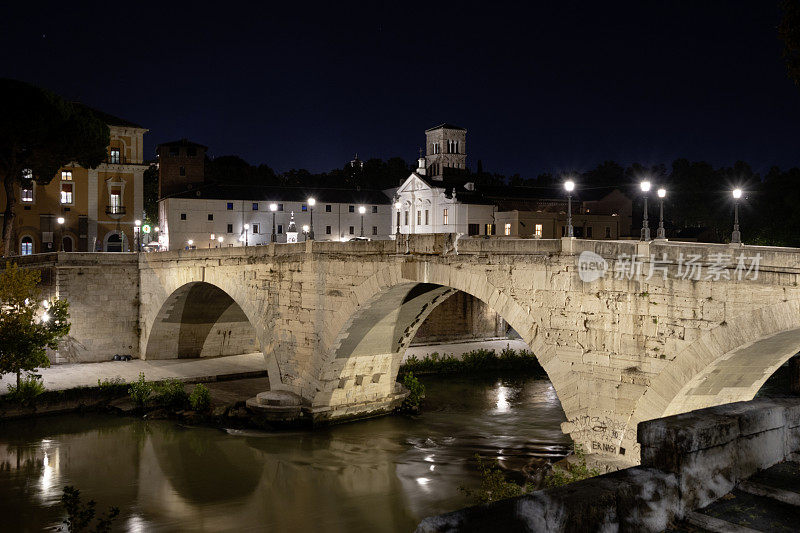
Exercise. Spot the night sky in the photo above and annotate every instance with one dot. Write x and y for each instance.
(555, 87)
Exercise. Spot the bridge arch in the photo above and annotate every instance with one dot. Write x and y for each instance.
(366, 343)
(728, 363)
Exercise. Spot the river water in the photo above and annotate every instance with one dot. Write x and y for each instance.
(378, 475)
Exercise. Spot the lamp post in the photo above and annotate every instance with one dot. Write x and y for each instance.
(190, 242)
(645, 186)
(362, 210)
(311, 203)
(569, 185)
(398, 205)
(246, 227)
(661, 234)
(273, 207)
(306, 231)
(219, 240)
(60, 221)
(137, 234)
(736, 236)
(212, 239)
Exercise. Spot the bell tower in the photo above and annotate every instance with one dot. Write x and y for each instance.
(445, 148)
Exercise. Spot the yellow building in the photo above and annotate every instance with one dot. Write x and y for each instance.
(98, 206)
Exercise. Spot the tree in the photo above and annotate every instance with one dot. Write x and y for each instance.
(150, 193)
(789, 33)
(40, 133)
(26, 328)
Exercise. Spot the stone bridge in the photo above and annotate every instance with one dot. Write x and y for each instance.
(666, 328)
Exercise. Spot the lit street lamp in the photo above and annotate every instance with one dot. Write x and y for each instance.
(60, 221)
(661, 234)
(219, 240)
(305, 231)
(736, 236)
(246, 227)
(569, 185)
(273, 207)
(362, 210)
(311, 203)
(212, 239)
(645, 186)
(398, 205)
(190, 242)
(137, 234)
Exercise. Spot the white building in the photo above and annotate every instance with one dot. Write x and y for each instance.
(215, 215)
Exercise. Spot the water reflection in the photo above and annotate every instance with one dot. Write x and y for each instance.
(379, 475)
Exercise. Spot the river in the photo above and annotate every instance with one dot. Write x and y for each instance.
(380, 475)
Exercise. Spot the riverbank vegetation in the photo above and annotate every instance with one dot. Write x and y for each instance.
(476, 361)
(495, 486)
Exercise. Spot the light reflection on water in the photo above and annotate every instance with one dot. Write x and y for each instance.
(378, 475)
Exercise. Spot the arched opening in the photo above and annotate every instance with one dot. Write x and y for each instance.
(200, 320)
(67, 243)
(114, 242)
(26, 245)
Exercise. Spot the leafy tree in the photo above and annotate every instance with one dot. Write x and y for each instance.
(40, 133)
(150, 193)
(80, 516)
(27, 330)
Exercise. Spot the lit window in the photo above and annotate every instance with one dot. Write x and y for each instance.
(66, 175)
(537, 232)
(66, 193)
(26, 195)
(489, 229)
(114, 156)
(304, 208)
(444, 216)
(26, 246)
(508, 229)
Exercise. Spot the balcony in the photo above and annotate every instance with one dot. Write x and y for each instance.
(115, 211)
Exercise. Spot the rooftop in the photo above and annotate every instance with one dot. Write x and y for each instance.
(184, 142)
(446, 126)
(285, 194)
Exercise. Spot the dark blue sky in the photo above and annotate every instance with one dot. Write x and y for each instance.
(557, 87)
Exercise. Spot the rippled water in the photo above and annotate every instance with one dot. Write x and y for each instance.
(378, 475)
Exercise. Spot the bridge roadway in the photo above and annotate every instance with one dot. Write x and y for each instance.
(627, 331)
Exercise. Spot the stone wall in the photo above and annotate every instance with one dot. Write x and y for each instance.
(460, 317)
(103, 294)
(688, 461)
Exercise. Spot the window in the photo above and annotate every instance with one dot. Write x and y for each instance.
(280, 207)
(374, 208)
(255, 229)
(327, 230)
(444, 217)
(588, 232)
(406, 218)
(173, 151)
(473, 229)
(508, 229)
(66, 175)
(114, 156)
(211, 216)
(419, 217)
(67, 243)
(608, 232)
(537, 231)
(303, 207)
(352, 230)
(230, 206)
(327, 208)
(230, 228)
(352, 209)
(182, 171)
(255, 206)
(116, 203)
(26, 195)
(66, 193)
(426, 217)
(398, 218)
(183, 216)
(280, 228)
(374, 230)
(26, 246)
(489, 229)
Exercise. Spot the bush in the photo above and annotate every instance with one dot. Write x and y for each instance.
(81, 515)
(200, 399)
(416, 392)
(494, 485)
(140, 390)
(572, 472)
(170, 393)
(30, 387)
(108, 385)
(476, 361)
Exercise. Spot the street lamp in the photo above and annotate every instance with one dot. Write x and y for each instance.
(219, 240)
(736, 236)
(569, 185)
(645, 186)
(305, 231)
(137, 233)
(212, 239)
(398, 205)
(60, 221)
(362, 210)
(311, 203)
(273, 207)
(246, 227)
(661, 234)
(190, 242)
